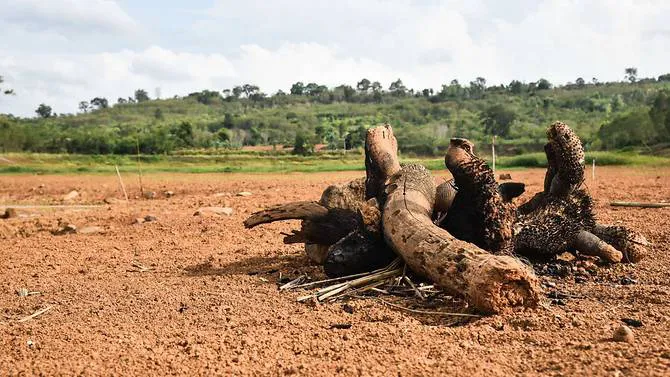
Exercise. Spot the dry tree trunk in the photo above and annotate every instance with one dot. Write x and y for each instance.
(562, 217)
(480, 213)
(490, 283)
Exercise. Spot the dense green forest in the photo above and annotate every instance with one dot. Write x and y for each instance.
(611, 115)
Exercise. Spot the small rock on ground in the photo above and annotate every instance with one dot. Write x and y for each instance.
(623, 334)
(9, 213)
(221, 211)
(149, 194)
(66, 229)
(150, 218)
(169, 194)
(244, 193)
(71, 195)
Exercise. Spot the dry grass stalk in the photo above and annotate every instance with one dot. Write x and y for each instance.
(36, 314)
(429, 312)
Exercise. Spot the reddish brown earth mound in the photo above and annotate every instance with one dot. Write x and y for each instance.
(189, 294)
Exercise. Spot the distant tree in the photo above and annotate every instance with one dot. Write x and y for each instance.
(302, 145)
(543, 84)
(515, 87)
(397, 88)
(44, 111)
(478, 87)
(297, 89)
(594, 80)
(84, 106)
(226, 93)
(660, 114)
(206, 97)
(158, 114)
(280, 93)
(665, 77)
(497, 120)
(631, 74)
(141, 95)
(237, 91)
(580, 82)
(356, 138)
(314, 89)
(347, 92)
(250, 90)
(119, 100)
(223, 135)
(183, 132)
(5, 91)
(257, 96)
(100, 103)
(376, 87)
(427, 92)
(363, 86)
(228, 121)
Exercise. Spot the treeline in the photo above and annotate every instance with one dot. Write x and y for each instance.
(608, 115)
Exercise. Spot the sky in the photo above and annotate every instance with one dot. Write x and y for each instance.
(61, 52)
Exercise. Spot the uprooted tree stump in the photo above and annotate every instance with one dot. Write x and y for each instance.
(462, 234)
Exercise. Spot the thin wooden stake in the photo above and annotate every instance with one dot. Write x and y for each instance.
(139, 167)
(493, 152)
(593, 170)
(123, 187)
(639, 204)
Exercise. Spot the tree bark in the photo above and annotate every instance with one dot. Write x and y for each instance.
(490, 283)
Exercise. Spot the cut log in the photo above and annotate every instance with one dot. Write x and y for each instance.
(381, 160)
(490, 283)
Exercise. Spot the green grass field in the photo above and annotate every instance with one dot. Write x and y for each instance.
(240, 162)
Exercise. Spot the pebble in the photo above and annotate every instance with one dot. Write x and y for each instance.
(71, 195)
(623, 334)
(169, 194)
(244, 193)
(149, 194)
(138, 220)
(150, 218)
(9, 213)
(67, 229)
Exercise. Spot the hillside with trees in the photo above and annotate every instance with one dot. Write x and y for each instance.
(634, 113)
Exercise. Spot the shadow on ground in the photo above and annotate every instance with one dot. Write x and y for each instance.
(288, 265)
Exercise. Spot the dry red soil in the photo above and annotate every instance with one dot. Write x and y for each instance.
(209, 304)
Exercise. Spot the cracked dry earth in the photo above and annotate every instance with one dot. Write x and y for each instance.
(198, 295)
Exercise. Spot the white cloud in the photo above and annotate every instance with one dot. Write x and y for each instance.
(274, 44)
(63, 80)
(68, 15)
